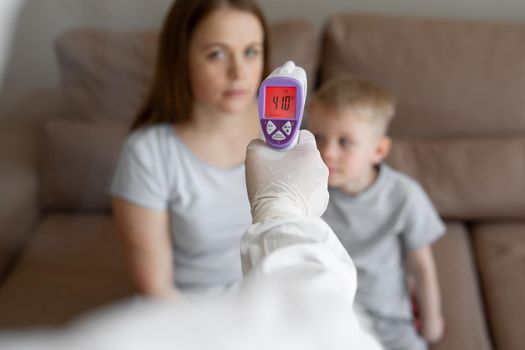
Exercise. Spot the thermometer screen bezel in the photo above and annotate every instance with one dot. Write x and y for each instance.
(283, 81)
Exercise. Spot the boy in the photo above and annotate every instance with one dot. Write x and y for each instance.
(383, 218)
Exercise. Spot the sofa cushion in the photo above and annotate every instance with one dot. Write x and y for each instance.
(500, 252)
(105, 75)
(451, 78)
(34, 297)
(83, 242)
(19, 210)
(78, 162)
(466, 328)
(73, 264)
(19, 204)
(470, 179)
(5, 258)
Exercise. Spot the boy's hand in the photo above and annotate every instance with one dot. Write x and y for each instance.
(283, 184)
(433, 330)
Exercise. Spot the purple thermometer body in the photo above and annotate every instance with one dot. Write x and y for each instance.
(282, 97)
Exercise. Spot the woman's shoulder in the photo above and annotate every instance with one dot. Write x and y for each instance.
(141, 174)
(151, 141)
(152, 133)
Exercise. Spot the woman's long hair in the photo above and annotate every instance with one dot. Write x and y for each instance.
(170, 97)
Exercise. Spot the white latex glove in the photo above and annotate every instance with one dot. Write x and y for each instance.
(285, 184)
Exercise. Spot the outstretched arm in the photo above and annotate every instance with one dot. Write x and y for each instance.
(290, 250)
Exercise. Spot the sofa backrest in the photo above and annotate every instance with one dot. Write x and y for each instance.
(452, 78)
(472, 179)
(459, 149)
(77, 163)
(105, 76)
(460, 122)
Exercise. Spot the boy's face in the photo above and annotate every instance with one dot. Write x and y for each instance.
(349, 145)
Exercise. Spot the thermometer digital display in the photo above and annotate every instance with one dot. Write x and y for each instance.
(280, 102)
(282, 97)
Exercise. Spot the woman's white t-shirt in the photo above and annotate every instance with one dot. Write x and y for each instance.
(208, 206)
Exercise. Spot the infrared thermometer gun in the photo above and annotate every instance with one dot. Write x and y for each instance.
(282, 96)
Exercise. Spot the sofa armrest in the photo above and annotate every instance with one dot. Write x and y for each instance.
(39, 107)
(19, 199)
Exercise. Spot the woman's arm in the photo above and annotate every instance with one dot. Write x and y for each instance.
(421, 265)
(146, 240)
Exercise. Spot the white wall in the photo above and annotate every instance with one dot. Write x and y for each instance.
(8, 9)
(31, 62)
(317, 10)
(32, 65)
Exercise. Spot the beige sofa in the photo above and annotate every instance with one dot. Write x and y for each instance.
(459, 130)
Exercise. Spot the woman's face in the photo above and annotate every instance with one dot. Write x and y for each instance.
(226, 60)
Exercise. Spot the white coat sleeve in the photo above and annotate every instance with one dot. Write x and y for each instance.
(299, 265)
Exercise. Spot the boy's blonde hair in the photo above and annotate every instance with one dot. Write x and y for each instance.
(376, 103)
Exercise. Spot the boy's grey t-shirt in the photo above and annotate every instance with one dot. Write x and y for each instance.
(377, 227)
(208, 206)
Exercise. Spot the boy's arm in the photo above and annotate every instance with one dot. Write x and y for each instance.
(421, 265)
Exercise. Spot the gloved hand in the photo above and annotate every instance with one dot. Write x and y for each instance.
(285, 184)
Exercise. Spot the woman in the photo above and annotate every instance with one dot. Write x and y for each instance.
(179, 193)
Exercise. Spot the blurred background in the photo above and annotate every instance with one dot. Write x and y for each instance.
(31, 63)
